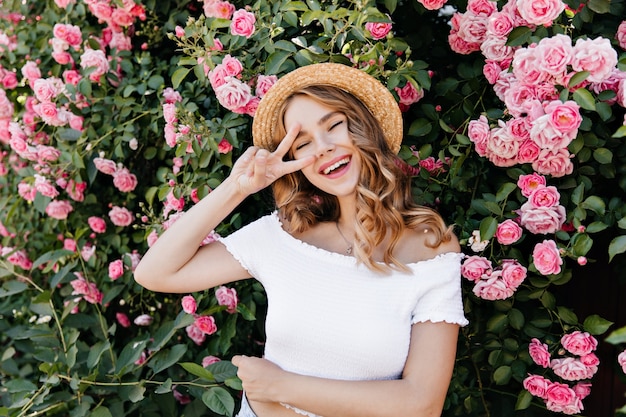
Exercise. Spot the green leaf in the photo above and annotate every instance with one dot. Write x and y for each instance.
(516, 318)
(178, 76)
(594, 203)
(584, 99)
(567, 315)
(502, 375)
(165, 387)
(219, 401)
(524, 399)
(596, 227)
(275, 61)
(420, 127)
(155, 82)
(578, 193)
(12, 288)
(505, 190)
(70, 135)
(166, 358)
(578, 78)
(599, 6)
(617, 337)
(519, 36)
(596, 325)
(51, 257)
(101, 412)
(197, 370)
(603, 155)
(497, 323)
(488, 227)
(582, 244)
(620, 132)
(96, 352)
(617, 246)
(129, 355)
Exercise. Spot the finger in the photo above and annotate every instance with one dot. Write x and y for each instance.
(236, 360)
(285, 144)
(298, 164)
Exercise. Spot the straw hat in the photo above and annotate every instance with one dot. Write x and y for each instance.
(374, 95)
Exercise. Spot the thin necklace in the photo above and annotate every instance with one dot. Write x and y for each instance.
(349, 250)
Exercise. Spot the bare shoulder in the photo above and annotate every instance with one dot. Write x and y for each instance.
(419, 242)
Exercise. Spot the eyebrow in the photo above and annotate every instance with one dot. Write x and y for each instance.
(321, 121)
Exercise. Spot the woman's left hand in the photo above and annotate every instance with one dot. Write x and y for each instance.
(260, 378)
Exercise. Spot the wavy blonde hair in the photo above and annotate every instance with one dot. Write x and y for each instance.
(384, 199)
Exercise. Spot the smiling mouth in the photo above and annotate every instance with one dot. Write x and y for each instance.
(336, 165)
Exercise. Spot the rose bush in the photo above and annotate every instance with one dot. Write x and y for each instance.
(117, 116)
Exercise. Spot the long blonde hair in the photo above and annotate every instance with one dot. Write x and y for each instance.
(384, 199)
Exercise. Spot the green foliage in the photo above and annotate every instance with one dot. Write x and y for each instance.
(64, 355)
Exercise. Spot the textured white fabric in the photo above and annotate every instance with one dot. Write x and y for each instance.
(329, 316)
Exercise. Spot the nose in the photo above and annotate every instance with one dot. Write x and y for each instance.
(323, 144)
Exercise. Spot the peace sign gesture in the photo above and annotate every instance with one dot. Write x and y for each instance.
(257, 167)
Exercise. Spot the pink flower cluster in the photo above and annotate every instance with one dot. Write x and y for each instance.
(232, 92)
(16, 257)
(378, 30)
(202, 325)
(493, 283)
(541, 213)
(242, 21)
(86, 290)
(408, 95)
(123, 179)
(578, 367)
(432, 4)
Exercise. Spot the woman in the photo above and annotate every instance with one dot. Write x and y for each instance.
(363, 285)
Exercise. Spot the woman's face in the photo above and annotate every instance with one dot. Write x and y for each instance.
(324, 134)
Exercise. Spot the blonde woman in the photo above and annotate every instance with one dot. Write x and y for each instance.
(363, 285)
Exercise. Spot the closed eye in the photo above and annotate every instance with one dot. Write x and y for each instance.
(301, 145)
(334, 125)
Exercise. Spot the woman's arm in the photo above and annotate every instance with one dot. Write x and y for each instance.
(176, 262)
(421, 391)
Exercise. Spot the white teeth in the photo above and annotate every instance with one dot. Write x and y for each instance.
(336, 165)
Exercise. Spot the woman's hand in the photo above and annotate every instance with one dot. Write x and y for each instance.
(257, 168)
(260, 378)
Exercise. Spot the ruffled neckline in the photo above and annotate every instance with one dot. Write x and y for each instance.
(347, 259)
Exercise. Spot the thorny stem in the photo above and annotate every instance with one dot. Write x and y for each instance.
(478, 378)
(140, 382)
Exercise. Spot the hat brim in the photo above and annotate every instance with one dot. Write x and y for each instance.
(372, 93)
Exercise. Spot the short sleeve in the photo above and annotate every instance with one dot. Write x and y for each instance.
(249, 244)
(440, 296)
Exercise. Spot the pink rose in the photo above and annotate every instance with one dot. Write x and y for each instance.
(122, 17)
(460, 45)
(233, 94)
(579, 343)
(409, 94)
(546, 196)
(189, 304)
(69, 244)
(528, 152)
(474, 267)
(44, 187)
(87, 252)
(206, 324)
(106, 166)
(482, 7)
(120, 216)
(94, 58)
(542, 220)
(559, 393)
(502, 148)
(564, 117)
(219, 9)
(124, 181)
(179, 31)
(570, 369)
(555, 162)
(195, 334)
(224, 147)
(529, 183)
(122, 319)
(539, 353)
(582, 389)
(500, 25)
(513, 273)
(554, 54)
(64, 3)
(536, 385)
(227, 297)
(59, 209)
(88, 290)
(575, 406)
(208, 360)
(116, 269)
(493, 287)
(432, 4)
(540, 12)
(378, 30)
(496, 49)
(621, 35)
(169, 113)
(508, 232)
(242, 23)
(264, 83)
(97, 224)
(143, 320)
(72, 77)
(171, 96)
(31, 71)
(547, 258)
(596, 56)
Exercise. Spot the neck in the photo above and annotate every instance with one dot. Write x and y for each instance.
(347, 210)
